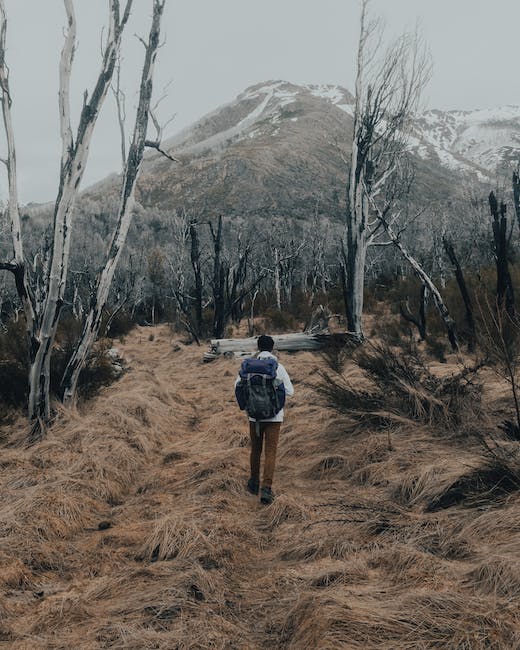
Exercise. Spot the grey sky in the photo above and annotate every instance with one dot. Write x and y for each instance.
(214, 49)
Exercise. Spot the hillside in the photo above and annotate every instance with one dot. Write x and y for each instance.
(278, 149)
(129, 526)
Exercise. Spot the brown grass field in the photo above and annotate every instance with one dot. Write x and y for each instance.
(129, 527)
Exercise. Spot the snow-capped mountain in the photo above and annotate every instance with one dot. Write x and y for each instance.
(279, 150)
(484, 140)
(259, 110)
(479, 141)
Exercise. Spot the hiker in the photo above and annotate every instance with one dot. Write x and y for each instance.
(261, 387)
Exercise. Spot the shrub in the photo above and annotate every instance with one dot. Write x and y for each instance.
(402, 385)
(13, 365)
(121, 324)
(99, 371)
(281, 321)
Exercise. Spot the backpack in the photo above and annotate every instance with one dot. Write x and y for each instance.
(258, 391)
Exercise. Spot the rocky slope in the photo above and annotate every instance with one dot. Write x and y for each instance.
(278, 150)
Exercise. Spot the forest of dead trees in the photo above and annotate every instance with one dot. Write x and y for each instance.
(205, 275)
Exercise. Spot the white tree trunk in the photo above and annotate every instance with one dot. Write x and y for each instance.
(283, 342)
(18, 266)
(277, 281)
(356, 234)
(73, 163)
(125, 212)
(425, 279)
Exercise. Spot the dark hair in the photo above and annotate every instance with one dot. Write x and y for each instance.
(265, 343)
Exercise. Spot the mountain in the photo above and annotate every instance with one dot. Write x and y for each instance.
(273, 151)
(480, 141)
(279, 150)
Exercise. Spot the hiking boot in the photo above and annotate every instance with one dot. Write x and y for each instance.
(252, 486)
(266, 496)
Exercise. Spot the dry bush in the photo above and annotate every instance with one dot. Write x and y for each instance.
(6, 633)
(332, 619)
(483, 485)
(360, 456)
(402, 385)
(337, 352)
(443, 539)
(221, 483)
(50, 511)
(319, 540)
(339, 574)
(495, 526)
(419, 487)
(452, 620)
(330, 466)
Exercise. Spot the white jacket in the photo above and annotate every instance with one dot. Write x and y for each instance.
(283, 375)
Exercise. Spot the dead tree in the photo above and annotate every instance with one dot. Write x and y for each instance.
(125, 212)
(189, 299)
(386, 96)
(286, 252)
(516, 195)
(198, 281)
(394, 238)
(420, 320)
(502, 241)
(236, 280)
(229, 285)
(219, 280)
(461, 282)
(42, 316)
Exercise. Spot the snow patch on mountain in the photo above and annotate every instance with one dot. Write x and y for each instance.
(485, 138)
(478, 141)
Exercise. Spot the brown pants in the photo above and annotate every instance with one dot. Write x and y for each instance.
(270, 432)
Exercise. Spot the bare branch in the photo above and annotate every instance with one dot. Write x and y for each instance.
(120, 98)
(156, 145)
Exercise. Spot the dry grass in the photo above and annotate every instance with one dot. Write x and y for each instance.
(173, 537)
(129, 525)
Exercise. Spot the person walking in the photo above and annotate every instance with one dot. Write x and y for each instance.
(265, 431)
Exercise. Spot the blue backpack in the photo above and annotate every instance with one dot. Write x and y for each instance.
(258, 391)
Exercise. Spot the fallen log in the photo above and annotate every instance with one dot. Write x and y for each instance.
(284, 342)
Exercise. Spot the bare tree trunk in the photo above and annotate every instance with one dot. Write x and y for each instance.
(420, 321)
(42, 322)
(277, 282)
(461, 282)
(355, 277)
(516, 195)
(505, 291)
(125, 212)
(386, 95)
(425, 279)
(251, 323)
(356, 235)
(197, 272)
(18, 266)
(219, 281)
(73, 163)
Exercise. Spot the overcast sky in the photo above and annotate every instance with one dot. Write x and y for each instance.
(214, 49)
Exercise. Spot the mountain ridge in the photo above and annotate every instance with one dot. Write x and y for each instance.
(277, 135)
